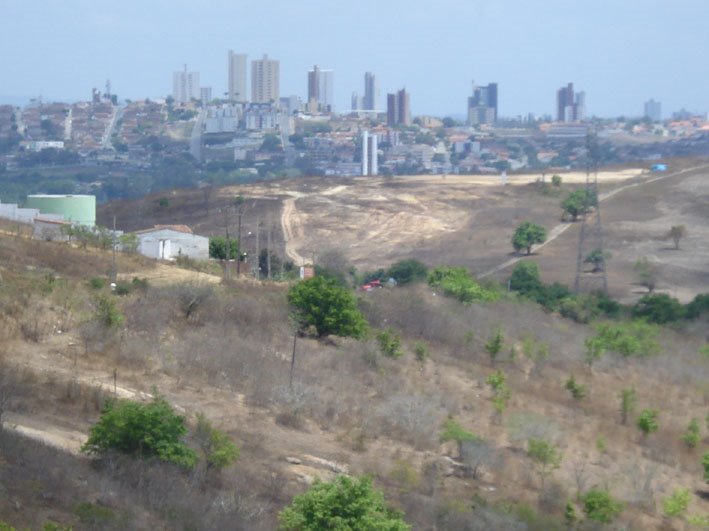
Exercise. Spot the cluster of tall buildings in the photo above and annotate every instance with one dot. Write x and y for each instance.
(321, 90)
(482, 105)
(570, 106)
(399, 108)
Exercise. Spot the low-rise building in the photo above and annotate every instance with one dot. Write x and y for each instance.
(167, 242)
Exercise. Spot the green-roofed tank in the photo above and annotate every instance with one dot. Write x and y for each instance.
(75, 208)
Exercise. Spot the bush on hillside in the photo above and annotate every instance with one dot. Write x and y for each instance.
(457, 282)
(407, 271)
(344, 503)
(326, 306)
(659, 308)
(141, 430)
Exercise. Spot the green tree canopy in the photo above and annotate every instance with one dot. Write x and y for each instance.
(579, 202)
(143, 430)
(347, 504)
(659, 308)
(599, 506)
(528, 234)
(407, 271)
(329, 308)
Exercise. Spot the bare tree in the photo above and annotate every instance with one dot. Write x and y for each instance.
(477, 454)
(676, 233)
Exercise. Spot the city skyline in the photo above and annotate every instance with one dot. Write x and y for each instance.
(621, 54)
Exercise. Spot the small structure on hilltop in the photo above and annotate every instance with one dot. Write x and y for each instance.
(167, 242)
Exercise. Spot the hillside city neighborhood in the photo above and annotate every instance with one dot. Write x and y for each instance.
(419, 267)
(267, 135)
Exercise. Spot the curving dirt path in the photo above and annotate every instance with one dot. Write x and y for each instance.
(289, 226)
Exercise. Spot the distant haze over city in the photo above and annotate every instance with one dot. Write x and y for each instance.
(620, 53)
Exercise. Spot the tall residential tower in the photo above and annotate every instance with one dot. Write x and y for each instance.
(185, 86)
(369, 103)
(265, 79)
(237, 77)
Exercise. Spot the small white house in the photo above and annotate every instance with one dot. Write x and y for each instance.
(167, 242)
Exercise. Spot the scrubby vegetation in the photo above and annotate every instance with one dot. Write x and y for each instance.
(464, 407)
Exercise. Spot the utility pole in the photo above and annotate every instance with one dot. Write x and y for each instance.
(239, 203)
(591, 235)
(268, 249)
(258, 251)
(227, 245)
(114, 271)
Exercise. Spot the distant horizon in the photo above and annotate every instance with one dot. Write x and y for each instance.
(20, 101)
(620, 54)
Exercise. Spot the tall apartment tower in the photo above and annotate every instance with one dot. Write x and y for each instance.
(370, 164)
(399, 108)
(570, 107)
(237, 77)
(482, 105)
(369, 103)
(265, 79)
(653, 110)
(185, 86)
(321, 89)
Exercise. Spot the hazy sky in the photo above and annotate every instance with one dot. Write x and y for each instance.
(621, 52)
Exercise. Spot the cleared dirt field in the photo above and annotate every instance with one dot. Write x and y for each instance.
(459, 220)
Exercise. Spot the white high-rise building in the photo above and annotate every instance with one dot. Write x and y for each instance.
(237, 77)
(185, 86)
(370, 164)
(265, 80)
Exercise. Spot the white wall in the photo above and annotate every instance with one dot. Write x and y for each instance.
(180, 243)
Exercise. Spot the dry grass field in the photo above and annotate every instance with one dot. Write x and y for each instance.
(352, 409)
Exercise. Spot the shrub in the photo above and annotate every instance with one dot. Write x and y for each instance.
(452, 431)
(705, 464)
(545, 456)
(123, 288)
(647, 421)
(326, 306)
(218, 449)
(97, 283)
(457, 282)
(344, 503)
(628, 339)
(142, 430)
(420, 351)
(501, 392)
(218, 248)
(494, 344)
(677, 503)
(628, 400)
(525, 278)
(691, 437)
(556, 180)
(407, 271)
(389, 342)
(599, 506)
(659, 308)
(107, 313)
(577, 390)
(698, 306)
